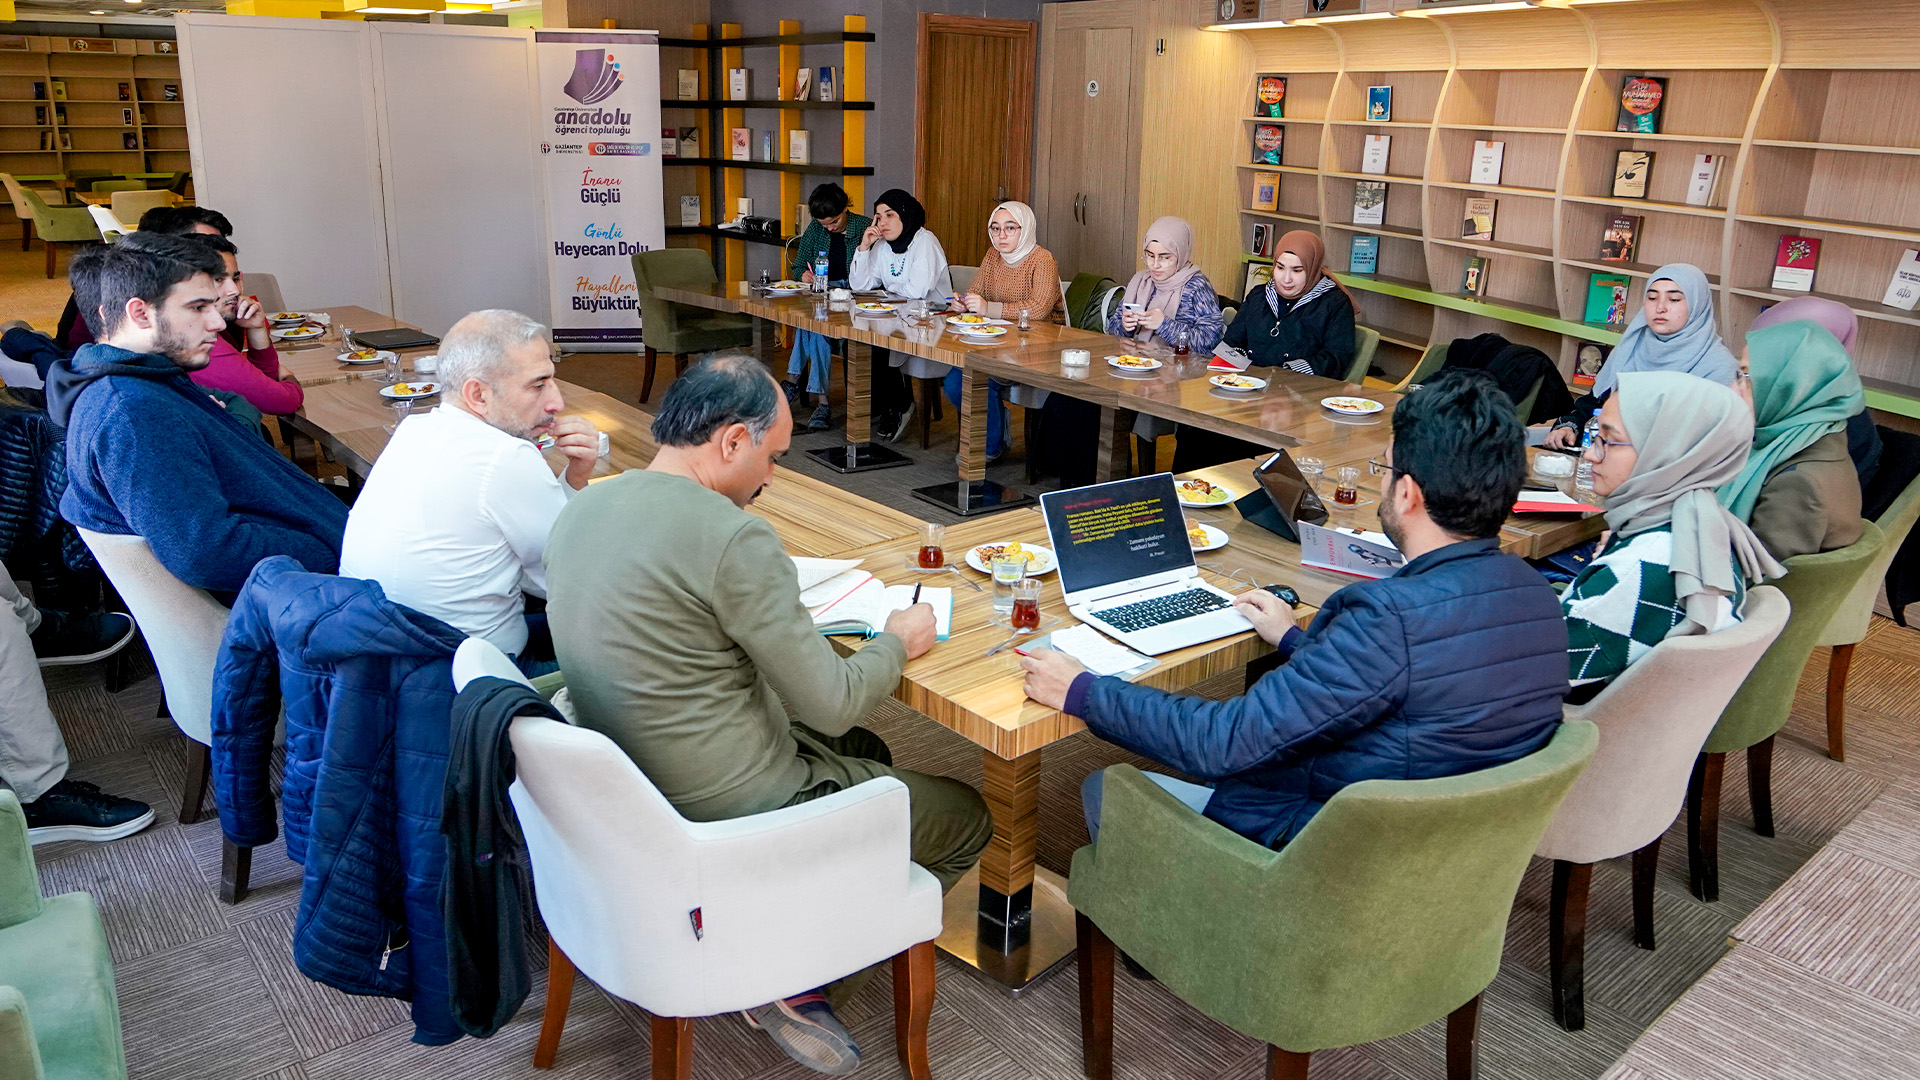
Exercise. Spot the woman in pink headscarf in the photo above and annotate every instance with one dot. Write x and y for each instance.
(1170, 300)
(1863, 439)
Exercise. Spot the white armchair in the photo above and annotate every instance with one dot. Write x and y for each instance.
(111, 228)
(1653, 719)
(688, 919)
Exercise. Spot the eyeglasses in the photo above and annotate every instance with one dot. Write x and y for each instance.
(1162, 258)
(1596, 450)
(1378, 467)
(1003, 230)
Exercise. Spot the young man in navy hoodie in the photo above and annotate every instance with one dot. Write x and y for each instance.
(149, 453)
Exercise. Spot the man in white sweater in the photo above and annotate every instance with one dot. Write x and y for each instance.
(454, 518)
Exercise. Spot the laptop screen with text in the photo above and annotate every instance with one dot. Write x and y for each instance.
(1116, 532)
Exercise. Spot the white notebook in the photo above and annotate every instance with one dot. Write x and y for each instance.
(843, 599)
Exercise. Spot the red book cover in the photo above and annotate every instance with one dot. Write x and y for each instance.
(1793, 263)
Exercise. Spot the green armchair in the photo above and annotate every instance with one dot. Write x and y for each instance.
(59, 225)
(1816, 586)
(676, 329)
(59, 1019)
(1387, 912)
(1366, 342)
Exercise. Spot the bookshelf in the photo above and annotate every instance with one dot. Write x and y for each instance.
(1815, 107)
(716, 116)
(44, 137)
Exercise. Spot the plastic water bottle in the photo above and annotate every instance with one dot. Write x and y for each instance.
(1583, 472)
(820, 272)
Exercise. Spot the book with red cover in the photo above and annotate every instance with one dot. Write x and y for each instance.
(1617, 243)
(1793, 263)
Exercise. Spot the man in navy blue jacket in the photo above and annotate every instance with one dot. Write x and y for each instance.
(1453, 664)
(151, 454)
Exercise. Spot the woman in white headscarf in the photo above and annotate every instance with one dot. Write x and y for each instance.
(1673, 331)
(1016, 275)
(1667, 440)
(1170, 300)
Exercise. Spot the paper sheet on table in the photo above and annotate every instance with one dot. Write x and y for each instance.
(1550, 502)
(816, 574)
(1097, 652)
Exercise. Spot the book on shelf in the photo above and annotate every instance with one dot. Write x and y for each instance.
(60, 114)
(737, 84)
(1269, 140)
(1380, 104)
(1266, 191)
(126, 117)
(1793, 263)
(1473, 280)
(1587, 362)
(742, 145)
(829, 86)
(1271, 98)
(1478, 223)
(59, 89)
(1258, 274)
(125, 90)
(66, 140)
(40, 115)
(1373, 156)
(1263, 240)
(1622, 236)
(690, 142)
(688, 85)
(1641, 97)
(799, 147)
(1903, 291)
(129, 140)
(39, 91)
(1488, 159)
(170, 92)
(689, 209)
(1369, 202)
(1631, 169)
(1365, 257)
(46, 140)
(1705, 178)
(802, 83)
(766, 146)
(669, 142)
(1607, 298)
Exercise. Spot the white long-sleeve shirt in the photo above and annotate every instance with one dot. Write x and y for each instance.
(453, 522)
(919, 272)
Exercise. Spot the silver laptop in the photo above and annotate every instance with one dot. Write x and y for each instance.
(1127, 567)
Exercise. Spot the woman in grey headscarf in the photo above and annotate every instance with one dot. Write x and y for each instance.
(1666, 441)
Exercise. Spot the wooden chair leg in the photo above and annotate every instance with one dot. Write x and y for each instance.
(50, 245)
(647, 359)
(913, 976)
(680, 361)
(26, 233)
(199, 767)
(1646, 869)
(1567, 945)
(559, 996)
(1760, 784)
(236, 865)
(672, 1038)
(929, 399)
(1095, 960)
(1703, 826)
(1146, 456)
(1285, 1064)
(1463, 1040)
(1837, 670)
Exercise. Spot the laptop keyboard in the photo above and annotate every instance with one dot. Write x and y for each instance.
(1142, 614)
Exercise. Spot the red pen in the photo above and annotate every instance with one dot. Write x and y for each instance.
(1021, 651)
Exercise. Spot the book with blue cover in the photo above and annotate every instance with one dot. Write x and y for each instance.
(1380, 104)
(1366, 255)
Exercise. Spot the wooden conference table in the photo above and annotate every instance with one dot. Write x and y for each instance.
(1016, 925)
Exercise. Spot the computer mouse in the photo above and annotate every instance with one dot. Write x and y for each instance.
(1284, 592)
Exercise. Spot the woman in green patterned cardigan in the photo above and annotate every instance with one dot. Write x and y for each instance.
(1675, 562)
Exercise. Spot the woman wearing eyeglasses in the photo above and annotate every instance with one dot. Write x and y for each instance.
(1170, 299)
(1676, 562)
(1017, 275)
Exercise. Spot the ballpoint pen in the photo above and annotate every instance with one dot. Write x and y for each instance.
(916, 596)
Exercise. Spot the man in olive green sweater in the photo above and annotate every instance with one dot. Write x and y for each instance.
(677, 618)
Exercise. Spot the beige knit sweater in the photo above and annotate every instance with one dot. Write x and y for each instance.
(1034, 284)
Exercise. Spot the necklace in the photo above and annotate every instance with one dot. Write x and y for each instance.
(895, 269)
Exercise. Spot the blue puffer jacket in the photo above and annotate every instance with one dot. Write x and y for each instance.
(368, 692)
(1455, 663)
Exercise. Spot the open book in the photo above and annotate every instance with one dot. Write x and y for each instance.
(844, 599)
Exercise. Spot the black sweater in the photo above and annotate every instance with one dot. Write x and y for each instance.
(1316, 329)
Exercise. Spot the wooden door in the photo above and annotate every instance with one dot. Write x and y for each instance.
(1088, 167)
(1062, 176)
(974, 126)
(1106, 243)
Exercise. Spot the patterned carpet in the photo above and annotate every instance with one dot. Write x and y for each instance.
(210, 991)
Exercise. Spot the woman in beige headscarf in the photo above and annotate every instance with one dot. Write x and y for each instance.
(1170, 300)
(1017, 275)
(1666, 441)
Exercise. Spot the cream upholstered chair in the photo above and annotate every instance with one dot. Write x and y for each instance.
(183, 627)
(687, 918)
(111, 228)
(267, 288)
(1653, 720)
(129, 205)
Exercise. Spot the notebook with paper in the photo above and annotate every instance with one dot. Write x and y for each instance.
(841, 598)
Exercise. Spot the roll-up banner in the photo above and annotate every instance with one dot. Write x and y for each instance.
(598, 131)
